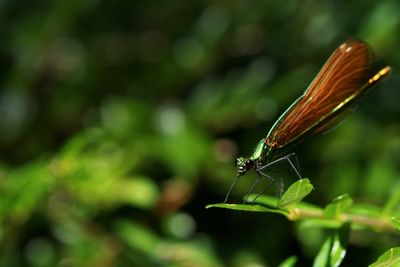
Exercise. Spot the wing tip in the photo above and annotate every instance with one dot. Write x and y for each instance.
(380, 75)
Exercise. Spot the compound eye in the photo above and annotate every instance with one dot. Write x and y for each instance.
(249, 163)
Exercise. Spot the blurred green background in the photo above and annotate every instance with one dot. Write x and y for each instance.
(120, 121)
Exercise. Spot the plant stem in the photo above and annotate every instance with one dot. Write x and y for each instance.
(377, 223)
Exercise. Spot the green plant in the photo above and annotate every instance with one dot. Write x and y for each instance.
(341, 216)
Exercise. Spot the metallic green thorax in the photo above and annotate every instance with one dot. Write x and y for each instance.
(258, 152)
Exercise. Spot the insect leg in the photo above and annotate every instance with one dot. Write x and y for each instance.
(296, 169)
(287, 158)
(296, 162)
(270, 178)
(231, 187)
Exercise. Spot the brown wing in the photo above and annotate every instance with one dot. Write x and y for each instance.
(345, 73)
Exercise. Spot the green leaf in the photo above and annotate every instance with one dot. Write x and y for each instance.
(396, 222)
(389, 258)
(339, 245)
(264, 200)
(295, 193)
(322, 258)
(334, 248)
(289, 262)
(246, 207)
(269, 201)
(338, 206)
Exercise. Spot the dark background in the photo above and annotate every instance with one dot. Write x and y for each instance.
(120, 121)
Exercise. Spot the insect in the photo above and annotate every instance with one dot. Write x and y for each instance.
(336, 89)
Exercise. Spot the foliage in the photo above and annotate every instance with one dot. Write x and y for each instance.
(332, 216)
